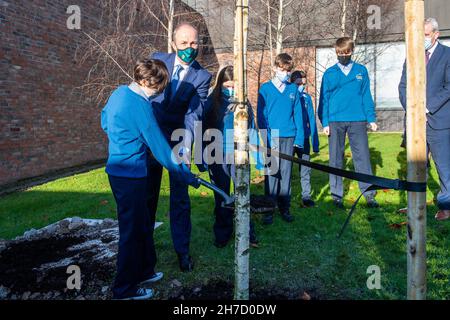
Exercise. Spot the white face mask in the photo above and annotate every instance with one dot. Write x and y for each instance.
(428, 43)
(283, 76)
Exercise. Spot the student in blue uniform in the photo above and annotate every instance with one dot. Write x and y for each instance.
(310, 133)
(345, 108)
(219, 114)
(280, 113)
(132, 129)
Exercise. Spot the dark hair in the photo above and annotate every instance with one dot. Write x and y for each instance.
(283, 60)
(224, 75)
(344, 45)
(297, 74)
(154, 71)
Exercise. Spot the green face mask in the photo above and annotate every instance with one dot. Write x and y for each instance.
(187, 55)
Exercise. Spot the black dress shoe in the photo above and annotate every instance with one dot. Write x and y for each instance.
(268, 219)
(286, 216)
(219, 244)
(372, 203)
(253, 239)
(308, 203)
(186, 263)
(338, 203)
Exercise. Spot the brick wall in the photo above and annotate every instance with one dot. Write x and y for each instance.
(44, 126)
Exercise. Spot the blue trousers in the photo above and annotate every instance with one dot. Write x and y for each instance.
(439, 145)
(180, 206)
(136, 258)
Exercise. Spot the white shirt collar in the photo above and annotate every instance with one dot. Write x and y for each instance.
(278, 83)
(178, 63)
(136, 88)
(431, 50)
(347, 67)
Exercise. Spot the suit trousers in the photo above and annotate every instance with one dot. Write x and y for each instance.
(439, 144)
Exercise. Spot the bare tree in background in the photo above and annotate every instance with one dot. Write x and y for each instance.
(129, 30)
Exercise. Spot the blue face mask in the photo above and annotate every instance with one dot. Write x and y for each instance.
(228, 92)
(428, 43)
(301, 88)
(283, 76)
(187, 55)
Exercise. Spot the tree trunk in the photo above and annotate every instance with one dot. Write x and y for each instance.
(416, 148)
(269, 19)
(280, 27)
(170, 26)
(355, 27)
(242, 183)
(343, 17)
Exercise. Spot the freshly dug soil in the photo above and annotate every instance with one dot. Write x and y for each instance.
(34, 267)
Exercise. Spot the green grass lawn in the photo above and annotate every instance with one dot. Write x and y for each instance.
(303, 255)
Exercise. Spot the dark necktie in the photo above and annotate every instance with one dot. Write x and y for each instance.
(175, 79)
(427, 57)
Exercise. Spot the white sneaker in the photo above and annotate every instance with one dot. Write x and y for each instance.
(141, 294)
(155, 277)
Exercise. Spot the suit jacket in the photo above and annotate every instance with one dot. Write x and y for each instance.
(438, 88)
(186, 107)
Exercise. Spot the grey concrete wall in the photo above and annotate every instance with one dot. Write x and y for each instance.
(390, 120)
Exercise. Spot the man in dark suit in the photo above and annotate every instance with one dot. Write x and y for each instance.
(179, 107)
(438, 110)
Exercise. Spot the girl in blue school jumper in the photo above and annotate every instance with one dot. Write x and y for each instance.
(219, 114)
(132, 129)
(310, 133)
(280, 113)
(346, 108)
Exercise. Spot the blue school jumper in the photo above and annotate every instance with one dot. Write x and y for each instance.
(346, 98)
(281, 111)
(132, 129)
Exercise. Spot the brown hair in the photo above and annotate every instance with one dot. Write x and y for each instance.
(344, 45)
(224, 75)
(154, 71)
(283, 60)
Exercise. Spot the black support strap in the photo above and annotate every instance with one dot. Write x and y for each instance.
(376, 183)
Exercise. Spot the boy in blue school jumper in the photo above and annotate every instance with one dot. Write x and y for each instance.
(132, 129)
(345, 108)
(280, 113)
(310, 133)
